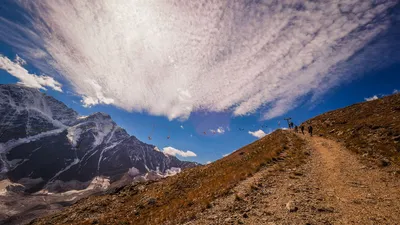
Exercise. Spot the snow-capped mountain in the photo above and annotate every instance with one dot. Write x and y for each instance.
(43, 141)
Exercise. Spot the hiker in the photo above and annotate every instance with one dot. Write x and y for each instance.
(302, 129)
(296, 129)
(310, 130)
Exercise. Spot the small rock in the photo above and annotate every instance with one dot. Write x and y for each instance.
(385, 162)
(240, 222)
(326, 209)
(227, 219)
(212, 217)
(245, 215)
(152, 201)
(291, 206)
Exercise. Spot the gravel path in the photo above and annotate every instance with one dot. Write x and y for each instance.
(320, 183)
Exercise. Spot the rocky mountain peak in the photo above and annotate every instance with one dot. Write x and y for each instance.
(43, 142)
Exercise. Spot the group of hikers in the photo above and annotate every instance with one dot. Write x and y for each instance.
(296, 128)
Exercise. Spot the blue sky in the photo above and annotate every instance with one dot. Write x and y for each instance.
(172, 92)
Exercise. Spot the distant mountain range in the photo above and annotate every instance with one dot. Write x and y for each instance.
(42, 142)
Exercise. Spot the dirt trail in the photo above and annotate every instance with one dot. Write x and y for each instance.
(363, 195)
(321, 183)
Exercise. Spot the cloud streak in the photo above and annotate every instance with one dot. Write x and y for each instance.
(172, 58)
(27, 79)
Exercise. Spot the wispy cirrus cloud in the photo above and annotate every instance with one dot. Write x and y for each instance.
(17, 70)
(174, 57)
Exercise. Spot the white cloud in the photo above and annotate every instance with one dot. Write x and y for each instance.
(258, 133)
(395, 91)
(208, 162)
(225, 155)
(173, 151)
(371, 98)
(26, 78)
(219, 130)
(182, 127)
(169, 58)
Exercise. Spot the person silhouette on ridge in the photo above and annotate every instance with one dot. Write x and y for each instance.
(310, 130)
(302, 129)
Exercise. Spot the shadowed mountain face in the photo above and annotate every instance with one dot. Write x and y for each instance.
(42, 140)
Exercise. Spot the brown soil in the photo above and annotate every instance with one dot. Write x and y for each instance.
(331, 186)
(370, 128)
(180, 198)
(314, 181)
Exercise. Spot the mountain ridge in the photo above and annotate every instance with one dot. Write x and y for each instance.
(35, 126)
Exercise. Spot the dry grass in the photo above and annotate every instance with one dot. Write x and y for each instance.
(176, 199)
(368, 128)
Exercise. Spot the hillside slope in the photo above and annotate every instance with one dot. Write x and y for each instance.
(369, 128)
(283, 178)
(178, 199)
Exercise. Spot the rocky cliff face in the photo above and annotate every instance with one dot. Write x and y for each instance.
(43, 141)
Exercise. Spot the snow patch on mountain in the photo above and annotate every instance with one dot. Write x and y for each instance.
(74, 134)
(4, 147)
(75, 148)
(82, 117)
(102, 130)
(102, 152)
(76, 161)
